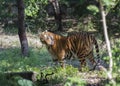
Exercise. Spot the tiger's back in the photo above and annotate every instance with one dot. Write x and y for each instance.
(81, 43)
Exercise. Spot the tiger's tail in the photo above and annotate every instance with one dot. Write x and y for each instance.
(97, 51)
(97, 48)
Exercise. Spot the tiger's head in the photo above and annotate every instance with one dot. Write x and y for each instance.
(47, 38)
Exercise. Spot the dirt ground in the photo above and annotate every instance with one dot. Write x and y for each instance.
(8, 40)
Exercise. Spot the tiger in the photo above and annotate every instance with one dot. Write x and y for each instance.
(79, 45)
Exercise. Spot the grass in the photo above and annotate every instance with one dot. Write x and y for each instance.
(11, 59)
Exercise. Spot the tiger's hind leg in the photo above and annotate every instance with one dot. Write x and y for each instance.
(92, 60)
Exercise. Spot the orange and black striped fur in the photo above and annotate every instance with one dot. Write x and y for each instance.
(80, 45)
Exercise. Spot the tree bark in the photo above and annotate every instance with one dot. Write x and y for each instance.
(21, 28)
(58, 17)
(109, 73)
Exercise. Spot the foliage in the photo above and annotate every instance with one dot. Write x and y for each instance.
(116, 56)
(35, 14)
(10, 57)
(116, 62)
(24, 82)
(75, 81)
(7, 13)
(93, 9)
(33, 7)
(14, 81)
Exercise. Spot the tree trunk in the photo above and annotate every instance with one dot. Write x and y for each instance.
(21, 28)
(109, 73)
(57, 15)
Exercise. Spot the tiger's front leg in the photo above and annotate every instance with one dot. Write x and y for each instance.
(61, 58)
(62, 63)
(55, 61)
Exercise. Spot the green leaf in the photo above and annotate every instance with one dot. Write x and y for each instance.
(24, 82)
(93, 9)
(109, 2)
